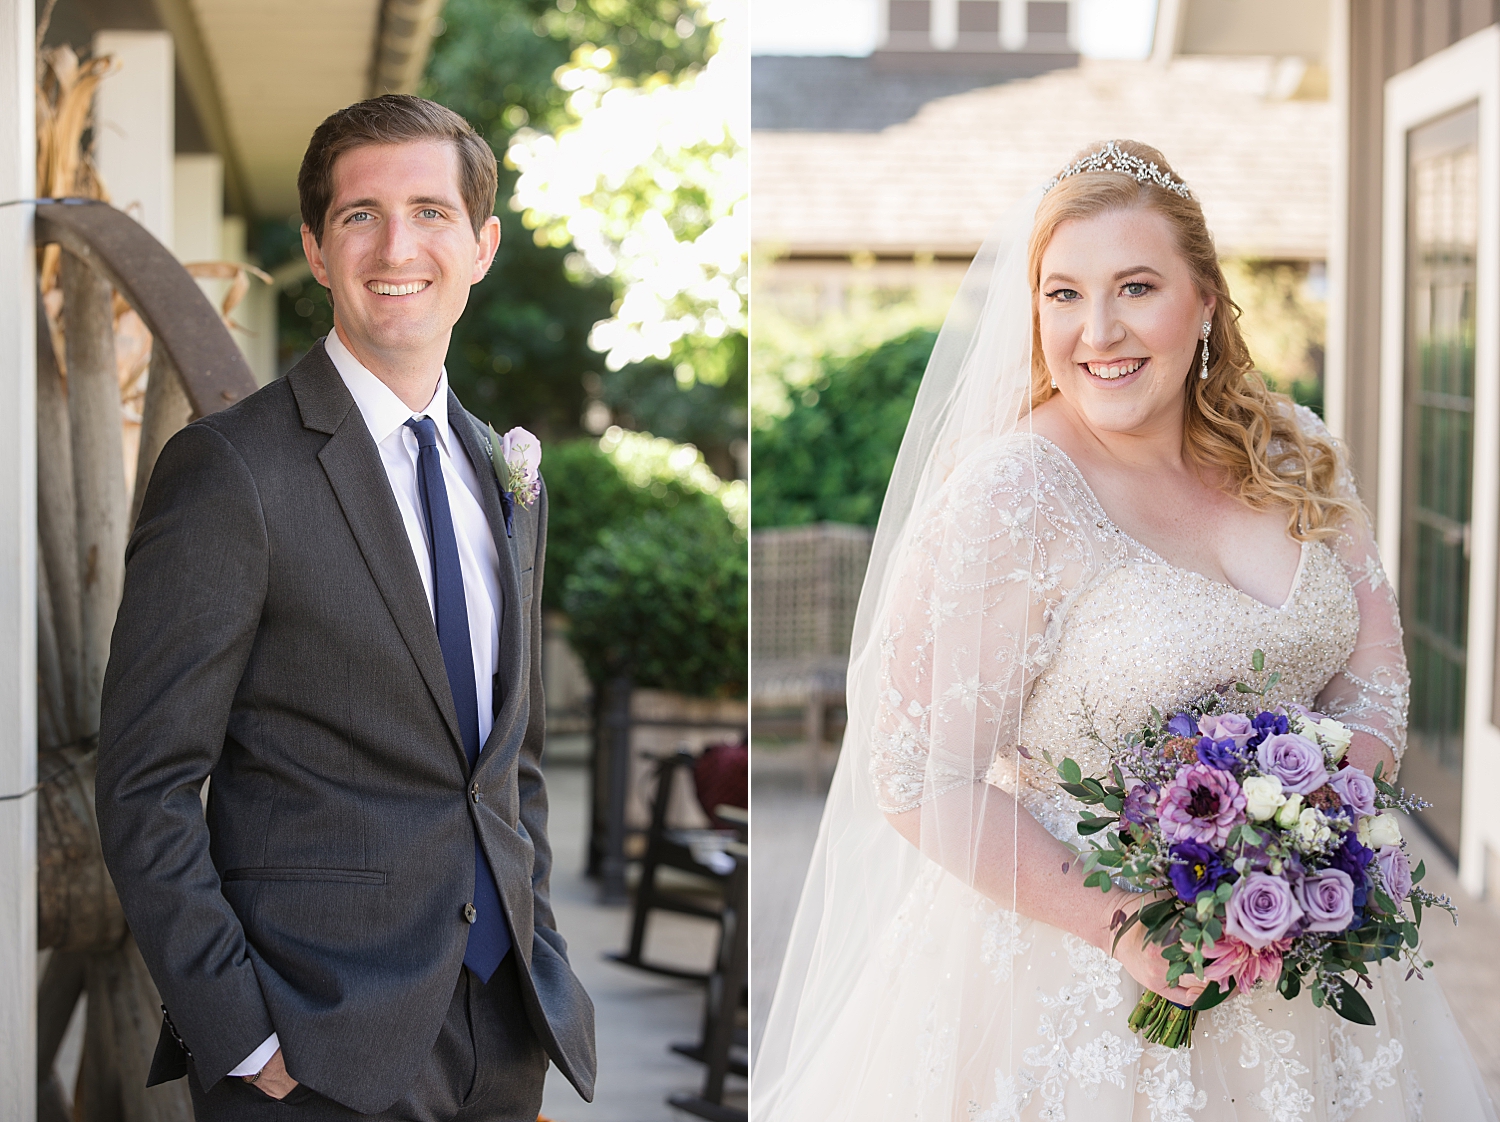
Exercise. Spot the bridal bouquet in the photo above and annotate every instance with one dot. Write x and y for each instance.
(1270, 860)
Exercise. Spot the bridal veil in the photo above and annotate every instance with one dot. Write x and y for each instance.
(900, 753)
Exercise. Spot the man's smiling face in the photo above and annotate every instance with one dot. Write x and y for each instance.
(399, 253)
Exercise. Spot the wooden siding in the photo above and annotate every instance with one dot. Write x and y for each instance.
(1385, 38)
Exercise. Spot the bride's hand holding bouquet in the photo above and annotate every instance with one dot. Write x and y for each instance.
(1249, 851)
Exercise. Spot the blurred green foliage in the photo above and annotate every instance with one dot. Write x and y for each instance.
(520, 353)
(646, 553)
(830, 458)
(591, 490)
(709, 413)
(663, 600)
(1284, 317)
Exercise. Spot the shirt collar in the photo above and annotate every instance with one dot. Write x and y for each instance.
(382, 410)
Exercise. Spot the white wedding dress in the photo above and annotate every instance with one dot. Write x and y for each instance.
(968, 1012)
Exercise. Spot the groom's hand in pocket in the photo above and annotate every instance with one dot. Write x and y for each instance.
(273, 1080)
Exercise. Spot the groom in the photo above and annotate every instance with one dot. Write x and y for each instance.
(333, 611)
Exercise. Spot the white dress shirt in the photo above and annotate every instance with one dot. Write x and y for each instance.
(385, 415)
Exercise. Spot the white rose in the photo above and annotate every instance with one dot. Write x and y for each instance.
(1312, 827)
(1335, 737)
(1379, 830)
(1290, 812)
(1262, 796)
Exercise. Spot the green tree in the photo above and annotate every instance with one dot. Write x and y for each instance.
(830, 458)
(647, 181)
(594, 486)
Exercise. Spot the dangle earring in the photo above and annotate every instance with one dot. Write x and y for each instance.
(1054, 381)
(1203, 371)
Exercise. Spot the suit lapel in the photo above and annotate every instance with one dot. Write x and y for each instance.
(511, 667)
(357, 475)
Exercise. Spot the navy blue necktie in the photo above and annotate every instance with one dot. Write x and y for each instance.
(489, 938)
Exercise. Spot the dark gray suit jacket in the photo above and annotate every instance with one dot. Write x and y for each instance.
(275, 635)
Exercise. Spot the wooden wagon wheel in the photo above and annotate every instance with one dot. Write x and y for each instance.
(83, 521)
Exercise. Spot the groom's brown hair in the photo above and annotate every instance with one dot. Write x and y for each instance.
(395, 119)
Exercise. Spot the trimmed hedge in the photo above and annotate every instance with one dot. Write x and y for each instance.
(830, 458)
(664, 601)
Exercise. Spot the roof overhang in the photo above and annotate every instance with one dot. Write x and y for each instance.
(257, 79)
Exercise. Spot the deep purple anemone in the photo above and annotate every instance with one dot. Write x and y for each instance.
(1221, 754)
(1195, 868)
(1353, 859)
(1267, 724)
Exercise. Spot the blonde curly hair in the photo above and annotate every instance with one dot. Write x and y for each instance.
(1234, 421)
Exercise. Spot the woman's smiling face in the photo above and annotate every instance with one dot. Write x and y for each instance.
(1120, 320)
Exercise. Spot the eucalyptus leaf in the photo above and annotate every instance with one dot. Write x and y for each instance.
(1153, 914)
(1353, 1007)
(1212, 996)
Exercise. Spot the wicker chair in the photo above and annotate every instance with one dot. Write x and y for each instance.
(805, 583)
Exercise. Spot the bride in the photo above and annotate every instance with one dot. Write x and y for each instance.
(1097, 502)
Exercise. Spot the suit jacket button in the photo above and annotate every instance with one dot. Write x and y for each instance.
(474, 792)
(469, 913)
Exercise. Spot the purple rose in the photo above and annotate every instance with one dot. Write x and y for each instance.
(1202, 804)
(1140, 804)
(1294, 760)
(1227, 726)
(1194, 868)
(1219, 753)
(1265, 725)
(1181, 725)
(1355, 789)
(1395, 870)
(1327, 899)
(1261, 910)
(1354, 858)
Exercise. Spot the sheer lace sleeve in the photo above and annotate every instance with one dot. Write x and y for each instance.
(1370, 693)
(975, 617)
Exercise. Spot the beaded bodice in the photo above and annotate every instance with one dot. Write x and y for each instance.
(1149, 633)
(1020, 602)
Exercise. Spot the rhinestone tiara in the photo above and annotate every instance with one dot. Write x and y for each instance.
(1114, 158)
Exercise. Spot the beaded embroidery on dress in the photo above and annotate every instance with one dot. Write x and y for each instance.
(974, 1013)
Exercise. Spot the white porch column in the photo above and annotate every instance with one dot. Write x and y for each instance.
(944, 24)
(134, 117)
(1013, 24)
(198, 207)
(198, 215)
(257, 312)
(17, 566)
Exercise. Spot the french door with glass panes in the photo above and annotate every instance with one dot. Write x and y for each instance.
(1437, 476)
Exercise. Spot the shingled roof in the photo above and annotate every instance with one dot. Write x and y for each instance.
(936, 182)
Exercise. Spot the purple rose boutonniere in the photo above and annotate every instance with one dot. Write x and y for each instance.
(517, 459)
